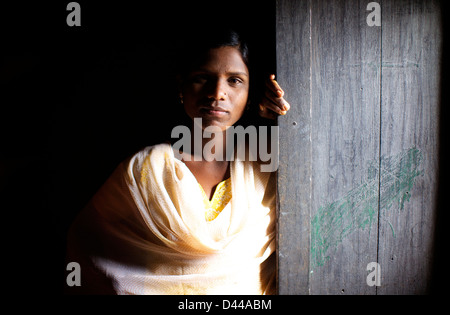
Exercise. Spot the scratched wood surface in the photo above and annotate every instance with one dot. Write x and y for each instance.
(358, 168)
(409, 133)
(345, 138)
(294, 172)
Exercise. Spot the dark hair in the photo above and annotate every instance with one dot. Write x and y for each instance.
(193, 50)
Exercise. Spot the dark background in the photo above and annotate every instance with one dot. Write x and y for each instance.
(76, 101)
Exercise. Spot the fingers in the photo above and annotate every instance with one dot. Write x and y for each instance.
(273, 103)
(273, 86)
(275, 93)
(276, 104)
(266, 113)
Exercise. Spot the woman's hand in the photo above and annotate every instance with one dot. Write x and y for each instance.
(273, 103)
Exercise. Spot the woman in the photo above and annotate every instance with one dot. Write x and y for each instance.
(169, 222)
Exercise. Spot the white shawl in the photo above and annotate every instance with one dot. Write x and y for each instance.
(145, 232)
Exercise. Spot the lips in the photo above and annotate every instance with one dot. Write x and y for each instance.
(214, 110)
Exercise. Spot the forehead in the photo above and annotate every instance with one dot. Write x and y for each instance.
(224, 59)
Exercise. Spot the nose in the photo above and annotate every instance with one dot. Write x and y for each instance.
(217, 90)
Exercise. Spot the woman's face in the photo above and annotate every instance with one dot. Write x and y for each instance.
(217, 91)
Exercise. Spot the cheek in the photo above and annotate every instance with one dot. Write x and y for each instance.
(240, 102)
(191, 92)
(190, 98)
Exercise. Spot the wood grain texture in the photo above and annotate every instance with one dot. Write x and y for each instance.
(358, 169)
(294, 173)
(345, 141)
(410, 89)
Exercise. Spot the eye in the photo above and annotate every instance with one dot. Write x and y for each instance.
(235, 80)
(199, 78)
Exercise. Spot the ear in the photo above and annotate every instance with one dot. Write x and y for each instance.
(180, 82)
(247, 106)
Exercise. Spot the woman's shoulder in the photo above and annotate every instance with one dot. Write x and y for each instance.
(151, 151)
(151, 157)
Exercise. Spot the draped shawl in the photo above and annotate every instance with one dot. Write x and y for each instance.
(144, 232)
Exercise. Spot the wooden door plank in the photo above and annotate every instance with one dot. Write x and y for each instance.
(294, 172)
(345, 146)
(409, 149)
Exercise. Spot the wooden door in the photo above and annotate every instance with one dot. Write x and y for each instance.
(357, 180)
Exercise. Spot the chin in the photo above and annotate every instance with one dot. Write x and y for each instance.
(222, 126)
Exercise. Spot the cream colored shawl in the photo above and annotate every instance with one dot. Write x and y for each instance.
(145, 232)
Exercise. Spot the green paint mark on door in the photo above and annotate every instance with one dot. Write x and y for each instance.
(358, 208)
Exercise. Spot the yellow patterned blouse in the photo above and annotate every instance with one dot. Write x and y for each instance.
(221, 197)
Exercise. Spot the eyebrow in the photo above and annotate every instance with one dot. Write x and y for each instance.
(237, 73)
(228, 73)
